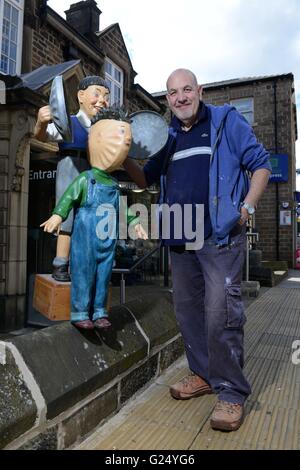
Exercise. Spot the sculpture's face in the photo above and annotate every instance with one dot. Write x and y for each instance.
(109, 144)
(93, 99)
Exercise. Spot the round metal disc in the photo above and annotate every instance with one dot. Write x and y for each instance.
(149, 134)
(59, 110)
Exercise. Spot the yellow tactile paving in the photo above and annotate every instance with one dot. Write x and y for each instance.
(153, 420)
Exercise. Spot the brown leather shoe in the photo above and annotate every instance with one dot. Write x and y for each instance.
(189, 387)
(102, 323)
(84, 324)
(227, 416)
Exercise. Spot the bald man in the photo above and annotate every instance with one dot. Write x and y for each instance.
(204, 165)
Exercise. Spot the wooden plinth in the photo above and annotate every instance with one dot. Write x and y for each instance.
(52, 298)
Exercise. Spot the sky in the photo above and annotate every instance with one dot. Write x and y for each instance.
(217, 39)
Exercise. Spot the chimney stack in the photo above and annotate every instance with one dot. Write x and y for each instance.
(84, 17)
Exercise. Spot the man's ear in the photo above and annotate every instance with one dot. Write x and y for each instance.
(200, 91)
(80, 95)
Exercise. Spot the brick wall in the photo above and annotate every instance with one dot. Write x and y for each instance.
(46, 45)
(48, 48)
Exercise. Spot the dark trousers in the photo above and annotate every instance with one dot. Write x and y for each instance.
(210, 313)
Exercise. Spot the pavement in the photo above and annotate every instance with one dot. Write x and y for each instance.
(152, 420)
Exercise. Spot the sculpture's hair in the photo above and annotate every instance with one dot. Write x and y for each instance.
(115, 112)
(93, 80)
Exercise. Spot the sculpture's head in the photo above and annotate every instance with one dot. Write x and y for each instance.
(109, 139)
(93, 95)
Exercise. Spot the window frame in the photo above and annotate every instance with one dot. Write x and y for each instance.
(113, 81)
(19, 5)
(250, 99)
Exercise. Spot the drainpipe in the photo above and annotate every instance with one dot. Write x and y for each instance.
(276, 151)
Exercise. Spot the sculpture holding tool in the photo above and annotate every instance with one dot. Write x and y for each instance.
(71, 134)
(95, 196)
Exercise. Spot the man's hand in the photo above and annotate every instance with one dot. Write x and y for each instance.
(244, 216)
(52, 224)
(140, 232)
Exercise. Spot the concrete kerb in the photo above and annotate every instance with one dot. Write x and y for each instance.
(59, 383)
(250, 288)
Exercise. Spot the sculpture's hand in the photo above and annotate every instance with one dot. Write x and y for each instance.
(52, 224)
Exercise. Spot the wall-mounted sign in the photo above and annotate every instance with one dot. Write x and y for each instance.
(280, 168)
(38, 175)
(285, 217)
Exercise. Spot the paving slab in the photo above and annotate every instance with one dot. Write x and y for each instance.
(153, 420)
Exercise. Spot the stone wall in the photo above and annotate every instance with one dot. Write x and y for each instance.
(59, 383)
(16, 127)
(45, 42)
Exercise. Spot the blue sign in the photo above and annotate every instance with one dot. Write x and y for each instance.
(280, 167)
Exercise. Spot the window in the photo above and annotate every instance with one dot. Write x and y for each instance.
(114, 76)
(11, 31)
(245, 106)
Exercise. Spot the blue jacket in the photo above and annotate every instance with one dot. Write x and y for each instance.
(235, 151)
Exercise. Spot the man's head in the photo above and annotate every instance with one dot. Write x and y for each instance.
(93, 95)
(109, 139)
(184, 95)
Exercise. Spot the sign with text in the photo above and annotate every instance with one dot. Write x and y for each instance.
(285, 217)
(280, 168)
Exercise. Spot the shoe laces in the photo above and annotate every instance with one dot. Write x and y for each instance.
(187, 379)
(231, 408)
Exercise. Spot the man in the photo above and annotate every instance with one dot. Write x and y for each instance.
(93, 95)
(204, 163)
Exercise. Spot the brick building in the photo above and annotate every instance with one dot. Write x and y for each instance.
(268, 103)
(36, 44)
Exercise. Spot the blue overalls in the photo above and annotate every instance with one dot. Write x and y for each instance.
(93, 243)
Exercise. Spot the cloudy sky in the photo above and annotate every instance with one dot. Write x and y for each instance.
(217, 39)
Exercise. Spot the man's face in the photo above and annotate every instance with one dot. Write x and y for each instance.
(109, 144)
(184, 96)
(93, 99)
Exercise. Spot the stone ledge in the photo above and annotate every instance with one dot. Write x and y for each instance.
(18, 411)
(269, 274)
(77, 372)
(250, 288)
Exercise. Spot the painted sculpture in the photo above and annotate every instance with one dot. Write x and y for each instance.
(94, 195)
(93, 95)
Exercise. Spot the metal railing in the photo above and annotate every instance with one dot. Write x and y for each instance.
(251, 238)
(124, 271)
